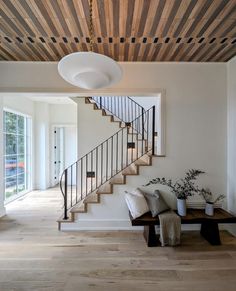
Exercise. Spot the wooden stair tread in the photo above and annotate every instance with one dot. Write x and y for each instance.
(92, 198)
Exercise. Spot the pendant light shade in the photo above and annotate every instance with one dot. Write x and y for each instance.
(89, 70)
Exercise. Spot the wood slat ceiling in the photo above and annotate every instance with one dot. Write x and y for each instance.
(126, 30)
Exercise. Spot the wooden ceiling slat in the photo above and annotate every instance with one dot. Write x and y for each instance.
(21, 20)
(6, 53)
(185, 18)
(25, 50)
(102, 17)
(61, 18)
(230, 13)
(197, 51)
(48, 19)
(229, 29)
(129, 18)
(157, 17)
(18, 54)
(10, 23)
(184, 56)
(221, 55)
(71, 6)
(116, 15)
(215, 53)
(176, 52)
(230, 54)
(54, 49)
(126, 53)
(166, 52)
(213, 16)
(5, 29)
(35, 51)
(146, 52)
(156, 52)
(126, 30)
(174, 10)
(32, 16)
(202, 12)
(136, 51)
(143, 19)
(105, 48)
(206, 51)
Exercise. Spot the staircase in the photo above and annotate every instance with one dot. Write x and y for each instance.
(108, 164)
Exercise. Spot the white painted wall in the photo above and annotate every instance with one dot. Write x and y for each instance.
(65, 114)
(231, 173)
(19, 104)
(93, 128)
(42, 150)
(196, 114)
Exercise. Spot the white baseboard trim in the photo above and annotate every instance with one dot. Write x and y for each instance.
(100, 224)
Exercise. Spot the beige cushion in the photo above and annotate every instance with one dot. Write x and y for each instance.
(136, 203)
(156, 203)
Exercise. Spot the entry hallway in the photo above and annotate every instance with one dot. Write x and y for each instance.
(34, 255)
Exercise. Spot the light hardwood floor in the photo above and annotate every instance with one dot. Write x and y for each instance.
(34, 255)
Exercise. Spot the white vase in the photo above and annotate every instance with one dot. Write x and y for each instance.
(209, 209)
(181, 207)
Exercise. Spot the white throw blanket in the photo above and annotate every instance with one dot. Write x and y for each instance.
(170, 228)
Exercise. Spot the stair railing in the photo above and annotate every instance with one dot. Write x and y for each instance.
(122, 107)
(108, 159)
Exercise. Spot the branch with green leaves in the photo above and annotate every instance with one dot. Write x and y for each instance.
(182, 188)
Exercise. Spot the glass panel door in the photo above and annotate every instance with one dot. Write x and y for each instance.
(17, 154)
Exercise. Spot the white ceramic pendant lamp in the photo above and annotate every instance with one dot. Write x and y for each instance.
(89, 70)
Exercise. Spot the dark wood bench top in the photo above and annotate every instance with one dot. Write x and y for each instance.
(193, 216)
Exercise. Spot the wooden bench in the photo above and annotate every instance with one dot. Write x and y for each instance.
(209, 224)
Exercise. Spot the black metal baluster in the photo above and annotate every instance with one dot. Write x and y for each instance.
(122, 147)
(76, 182)
(106, 159)
(132, 150)
(100, 102)
(153, 130)
(91, 182)
(65, 195)
(101, 162)
(86, 189)
(96, 173)
(71, 191)
(81, 186)
(116, 152)
(147, 141)
(112, 156)
(126, 146)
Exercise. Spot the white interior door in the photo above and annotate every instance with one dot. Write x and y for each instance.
(59, 153)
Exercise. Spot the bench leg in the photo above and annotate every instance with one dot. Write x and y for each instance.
(149, 234)
(210, 231)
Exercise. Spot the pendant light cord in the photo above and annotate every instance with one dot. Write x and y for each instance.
(91, 27)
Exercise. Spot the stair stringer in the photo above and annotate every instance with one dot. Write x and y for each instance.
(87, 207)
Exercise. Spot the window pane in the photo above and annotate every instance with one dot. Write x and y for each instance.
(21, 144)
(21, 164)
(10, 165)
(10, 187)
(10, 122)
(21, 125)
(10, 144)
(21, 182)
